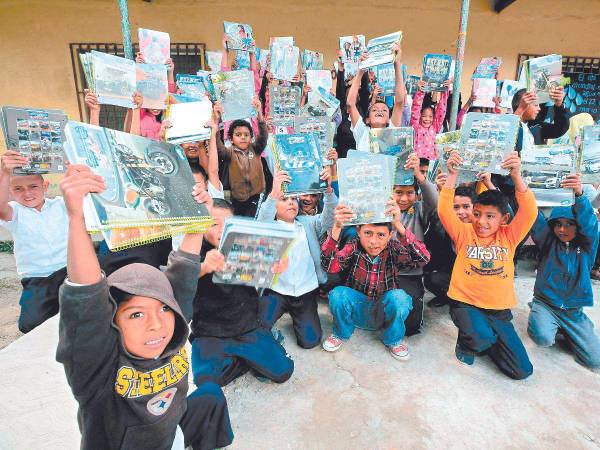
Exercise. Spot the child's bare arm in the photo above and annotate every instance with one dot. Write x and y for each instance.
(91, 100)
(82, 263)
(400, 91)
(8, 161)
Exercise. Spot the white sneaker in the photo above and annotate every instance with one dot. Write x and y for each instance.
(399, 351)
(332, 343)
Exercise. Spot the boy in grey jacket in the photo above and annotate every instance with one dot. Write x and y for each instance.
(122, 339)
(296, 289)
(415, 216)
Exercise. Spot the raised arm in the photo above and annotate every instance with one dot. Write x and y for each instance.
(223, 151)
(352, 97)
(268, 208)
(440, 109)
(9, 161)
(560, 124)
(400, 91)
(527, 212)
(136, 114)
(448, 218)
(91, 100)
(263, 133)
(585, 216)
(213, 158)
(415, 114)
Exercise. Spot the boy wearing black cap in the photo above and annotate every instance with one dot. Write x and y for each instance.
(122, 343)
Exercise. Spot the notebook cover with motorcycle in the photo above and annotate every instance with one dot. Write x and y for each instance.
(148, 182)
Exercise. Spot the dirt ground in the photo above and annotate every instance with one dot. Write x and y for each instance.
(10, 292)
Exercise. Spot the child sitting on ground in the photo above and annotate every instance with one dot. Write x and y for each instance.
(227, 336)
(371, 295)
(39, 229)
(121, 341)
(567, 241)
(482, 284)
(296, 289)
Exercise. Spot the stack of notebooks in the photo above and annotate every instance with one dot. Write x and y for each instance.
(300, 156)
(149, 186)
(543, 167)
(188, 121)
(38, 134)
(589, 165)
(380, 50)
(114, 80)
(543, 74)
(365, 182)
(251, 249)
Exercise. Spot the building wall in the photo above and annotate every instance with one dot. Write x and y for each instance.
(34, 34)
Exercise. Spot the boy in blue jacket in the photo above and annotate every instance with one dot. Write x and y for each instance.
(568, 241)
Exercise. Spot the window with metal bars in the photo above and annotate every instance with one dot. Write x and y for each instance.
(187, 57)
(571, 64)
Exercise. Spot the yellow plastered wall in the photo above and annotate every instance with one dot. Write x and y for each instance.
(36, 63)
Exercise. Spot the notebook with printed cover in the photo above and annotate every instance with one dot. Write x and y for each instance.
(311, 60)
(153, 84)
(365, 185)
(194, 86)
(239, 36)
(148, 182)
(485, 91)
(508, 91)
(284, 61)
(300, 156)
(589, 166)
(396, 142)
(412, 84)
(352, 47)
(284, 103)
(235, 91)
(318, 78)
(380, 50)
(86, 65)
(436, 70)
(322, 104)
(322, 127)
(487, 67)
(543, 168)
(445, 144)
(114, 79)
(543, 74)
(155, 46)
(385, 77)
(486, 140)
(251, 249)
(213, 61)
(188, 122)
(38, 134)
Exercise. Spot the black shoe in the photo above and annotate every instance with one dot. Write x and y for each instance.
(437, 302)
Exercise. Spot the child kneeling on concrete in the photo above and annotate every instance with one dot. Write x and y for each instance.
(370, 269)
(568, 241)
(482, 287)
(122, 339)
(296, 289)
(39, 229)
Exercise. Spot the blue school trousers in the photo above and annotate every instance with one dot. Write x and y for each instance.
(221, 360)
(545, 321)
(39, 299)
(491, 331)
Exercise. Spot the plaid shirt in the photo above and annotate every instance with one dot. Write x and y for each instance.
(373, 276)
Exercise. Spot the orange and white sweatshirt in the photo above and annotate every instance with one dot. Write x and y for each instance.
(483, 273)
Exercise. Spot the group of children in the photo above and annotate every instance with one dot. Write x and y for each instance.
(124, 322)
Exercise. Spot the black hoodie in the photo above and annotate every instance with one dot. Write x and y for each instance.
(126, 402)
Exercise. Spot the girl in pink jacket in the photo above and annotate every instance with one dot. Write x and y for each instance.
(427, 122)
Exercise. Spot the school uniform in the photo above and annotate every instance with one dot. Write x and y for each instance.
(295, 290)
(228, 338)
(40, 247)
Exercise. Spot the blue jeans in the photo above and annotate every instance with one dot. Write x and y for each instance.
(545, 321)
(491, 331)
(352, 309)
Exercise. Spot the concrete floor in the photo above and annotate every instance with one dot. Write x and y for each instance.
(358, 398)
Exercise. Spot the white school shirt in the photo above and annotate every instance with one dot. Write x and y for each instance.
(300, 276)
(361, 135)
(40, 237)
(214, 193)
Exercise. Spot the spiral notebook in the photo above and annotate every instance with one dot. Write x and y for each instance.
(149, 183)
